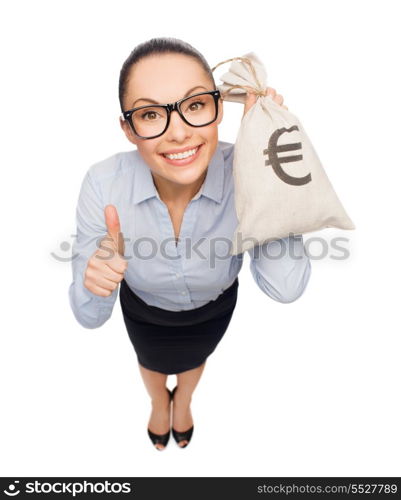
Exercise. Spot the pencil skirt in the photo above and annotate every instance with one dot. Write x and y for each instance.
(172, 342)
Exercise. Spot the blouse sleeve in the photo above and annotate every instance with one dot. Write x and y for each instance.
(280, 268)
(89, 309)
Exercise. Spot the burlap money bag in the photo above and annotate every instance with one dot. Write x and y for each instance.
(280, 184)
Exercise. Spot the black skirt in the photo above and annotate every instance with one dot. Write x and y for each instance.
(171, 342)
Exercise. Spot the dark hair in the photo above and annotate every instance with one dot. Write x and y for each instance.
(162, 45)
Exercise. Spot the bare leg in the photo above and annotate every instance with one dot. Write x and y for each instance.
(155, 383)
(186, 383)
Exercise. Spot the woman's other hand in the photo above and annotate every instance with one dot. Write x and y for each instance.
(251, 98)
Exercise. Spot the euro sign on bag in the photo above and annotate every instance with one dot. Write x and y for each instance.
(279, 182)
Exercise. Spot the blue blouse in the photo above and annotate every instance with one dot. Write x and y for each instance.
(164, 274)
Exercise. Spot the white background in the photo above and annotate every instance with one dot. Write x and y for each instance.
(310, 388)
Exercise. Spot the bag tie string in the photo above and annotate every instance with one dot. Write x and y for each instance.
(259, 90)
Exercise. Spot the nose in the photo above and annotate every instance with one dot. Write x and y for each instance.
(177, 130)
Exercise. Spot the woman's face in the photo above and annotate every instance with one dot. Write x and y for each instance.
(167, 78)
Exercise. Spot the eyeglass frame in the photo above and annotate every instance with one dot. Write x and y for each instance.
(174, 106)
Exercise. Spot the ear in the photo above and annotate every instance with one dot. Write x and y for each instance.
(127, 131)
(220, 111)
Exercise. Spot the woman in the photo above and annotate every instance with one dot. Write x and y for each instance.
(157, 221)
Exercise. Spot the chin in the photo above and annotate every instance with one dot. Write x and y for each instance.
(185, 176)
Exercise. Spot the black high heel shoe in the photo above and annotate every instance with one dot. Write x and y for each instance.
(181, 436)
(160, 438)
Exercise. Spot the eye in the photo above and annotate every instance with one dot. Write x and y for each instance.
(196, 105)
(152, 115)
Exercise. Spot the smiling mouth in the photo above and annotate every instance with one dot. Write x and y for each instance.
(181, 156)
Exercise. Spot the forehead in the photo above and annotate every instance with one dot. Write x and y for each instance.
(165, 77)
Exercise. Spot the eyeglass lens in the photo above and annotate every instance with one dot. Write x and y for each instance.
(151, 120)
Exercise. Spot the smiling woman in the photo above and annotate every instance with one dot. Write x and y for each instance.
(177, 186)
(180, 80)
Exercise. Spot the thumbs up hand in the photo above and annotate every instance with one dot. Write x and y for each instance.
(106, 267)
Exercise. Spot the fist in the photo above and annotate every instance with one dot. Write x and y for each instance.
(106, 267)
(252, 97)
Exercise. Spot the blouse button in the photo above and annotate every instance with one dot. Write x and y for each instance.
(177, 275)
(183, 293)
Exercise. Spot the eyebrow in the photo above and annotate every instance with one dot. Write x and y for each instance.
(155, 102)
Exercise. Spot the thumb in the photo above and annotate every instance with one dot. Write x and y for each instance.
(250, 100)
(113, 226)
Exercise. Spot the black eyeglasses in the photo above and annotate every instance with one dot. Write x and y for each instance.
(150, 121)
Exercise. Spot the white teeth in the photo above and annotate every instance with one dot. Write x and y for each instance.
(178, 156)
